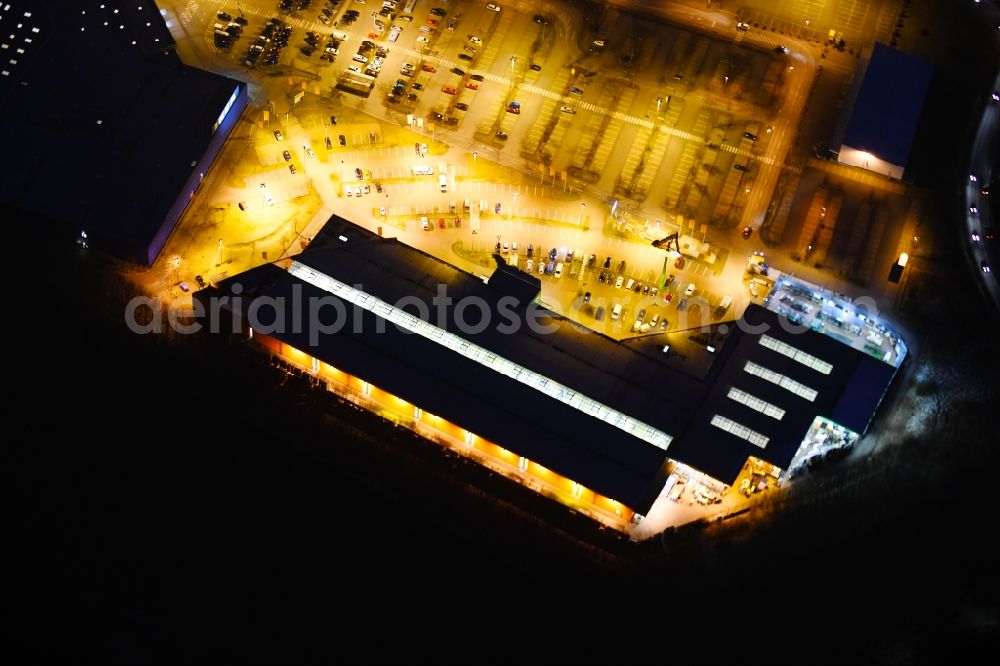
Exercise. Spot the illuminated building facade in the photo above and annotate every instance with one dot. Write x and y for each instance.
(596, 423)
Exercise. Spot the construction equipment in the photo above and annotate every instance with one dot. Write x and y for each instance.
(664, 243)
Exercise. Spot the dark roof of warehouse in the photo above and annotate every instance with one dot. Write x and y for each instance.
(888, 107)
(849, 395)
(625, 377)
(105, 130)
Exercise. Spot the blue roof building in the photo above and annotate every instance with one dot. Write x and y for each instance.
(883, 111)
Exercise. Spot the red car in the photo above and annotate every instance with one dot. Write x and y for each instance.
(429, 68)
(432, 23)
(679, 263)
(667, 296)
(441, 223)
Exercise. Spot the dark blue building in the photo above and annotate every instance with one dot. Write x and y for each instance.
(112, 133)
(882, 111)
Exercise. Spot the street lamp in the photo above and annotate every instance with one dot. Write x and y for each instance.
(475, 154)
(513, 205)
(658, 101)
(583, 205)
(513, 62)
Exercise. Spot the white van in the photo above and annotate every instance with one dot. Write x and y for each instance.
(724, 305)
(558, 271)
(443, 182)
(628, 285)
(424, 224)
(616, 312)
(529, 266)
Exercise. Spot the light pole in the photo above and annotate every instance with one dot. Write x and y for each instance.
(513, 205)
(475, 154)
(659, 100)
(583, 206)
(513, 62)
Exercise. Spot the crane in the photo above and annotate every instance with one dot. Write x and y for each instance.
(664, 243)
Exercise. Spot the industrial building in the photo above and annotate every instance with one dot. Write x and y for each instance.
(882, 111)
(597, 423)
(113, 133)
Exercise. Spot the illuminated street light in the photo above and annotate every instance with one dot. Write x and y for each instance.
(583, 205)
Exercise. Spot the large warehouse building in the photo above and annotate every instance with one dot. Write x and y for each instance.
(882, 111)
(594, 422)
(117, 156)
